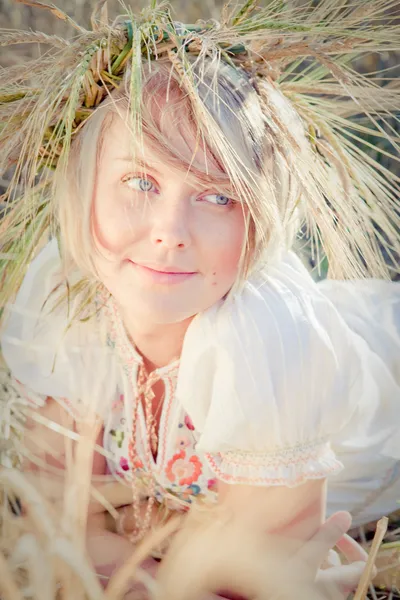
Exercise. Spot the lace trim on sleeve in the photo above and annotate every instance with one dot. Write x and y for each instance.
(290, 466)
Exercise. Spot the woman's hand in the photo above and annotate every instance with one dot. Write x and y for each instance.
(215, 552)
(323, 564)
(333, 573)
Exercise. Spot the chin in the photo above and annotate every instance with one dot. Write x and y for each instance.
(163, 309)
(163, 316)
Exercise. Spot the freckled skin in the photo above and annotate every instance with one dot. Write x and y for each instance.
(176, 222)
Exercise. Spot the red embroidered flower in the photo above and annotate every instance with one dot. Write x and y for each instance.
(185, 471)
(212, 485)
(188, 423)
(137, 463)
(123, 463)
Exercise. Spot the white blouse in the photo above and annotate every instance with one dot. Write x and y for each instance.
(285, 381)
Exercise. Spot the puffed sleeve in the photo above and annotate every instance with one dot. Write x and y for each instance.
(271, 375)
(46, 354)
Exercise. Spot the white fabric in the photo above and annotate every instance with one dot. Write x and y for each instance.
(284, 382)
(46, 354)
(274, 374)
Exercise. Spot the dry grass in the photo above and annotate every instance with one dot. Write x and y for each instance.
(43, 555)
(40, 560)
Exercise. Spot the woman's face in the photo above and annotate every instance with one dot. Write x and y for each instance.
(170, 247)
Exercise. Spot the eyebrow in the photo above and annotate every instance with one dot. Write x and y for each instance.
(141, 164)
(138, 162)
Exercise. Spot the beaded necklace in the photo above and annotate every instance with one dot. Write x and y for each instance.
(144, 396)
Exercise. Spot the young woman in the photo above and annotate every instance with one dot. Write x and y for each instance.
(170, 302)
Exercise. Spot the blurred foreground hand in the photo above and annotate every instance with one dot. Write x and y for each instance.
(215, 552)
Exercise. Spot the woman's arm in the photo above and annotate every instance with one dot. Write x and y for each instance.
(295, 512)
(45, 465)
(231, 547)
(46, 444)
(45, 458)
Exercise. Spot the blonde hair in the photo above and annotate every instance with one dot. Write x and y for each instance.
(256, 167)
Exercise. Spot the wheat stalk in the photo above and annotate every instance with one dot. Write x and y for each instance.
(29, 37)
(367, 575)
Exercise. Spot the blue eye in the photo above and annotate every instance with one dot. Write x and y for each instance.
(139, 184)
(217, 199)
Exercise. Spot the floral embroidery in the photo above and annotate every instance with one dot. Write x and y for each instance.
(119, 403)
(195, 489)
(138, 464)
(185, 471)
(182, 442)
(212, 485)
(180, 477)
(118, 436)
(188, 423)
(186, 495)
(123, 463)
(110, 342)
(175, 503)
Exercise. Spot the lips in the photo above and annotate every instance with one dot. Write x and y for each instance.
(163, 275)
(162, 269)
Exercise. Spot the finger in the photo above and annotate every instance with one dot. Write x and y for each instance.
(332, 560)
(345, 577)
(328, 535)
(351, 549)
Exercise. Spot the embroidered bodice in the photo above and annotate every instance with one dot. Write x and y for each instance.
(179, 473)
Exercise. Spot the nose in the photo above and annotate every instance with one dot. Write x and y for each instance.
(170, 227)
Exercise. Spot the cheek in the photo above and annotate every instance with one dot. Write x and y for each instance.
(224, 254)
(225, 267)
(112, 222)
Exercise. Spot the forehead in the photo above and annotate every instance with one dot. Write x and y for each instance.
(167, 138)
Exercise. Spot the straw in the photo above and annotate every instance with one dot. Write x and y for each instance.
(367, 575)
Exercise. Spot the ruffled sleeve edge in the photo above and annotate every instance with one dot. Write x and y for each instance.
(288, 467)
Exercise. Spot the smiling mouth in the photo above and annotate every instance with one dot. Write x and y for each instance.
(171, 271)
(164, 277)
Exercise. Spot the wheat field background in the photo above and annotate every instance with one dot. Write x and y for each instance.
(16, 15)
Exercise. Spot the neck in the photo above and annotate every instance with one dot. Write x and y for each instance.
(158, 344)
